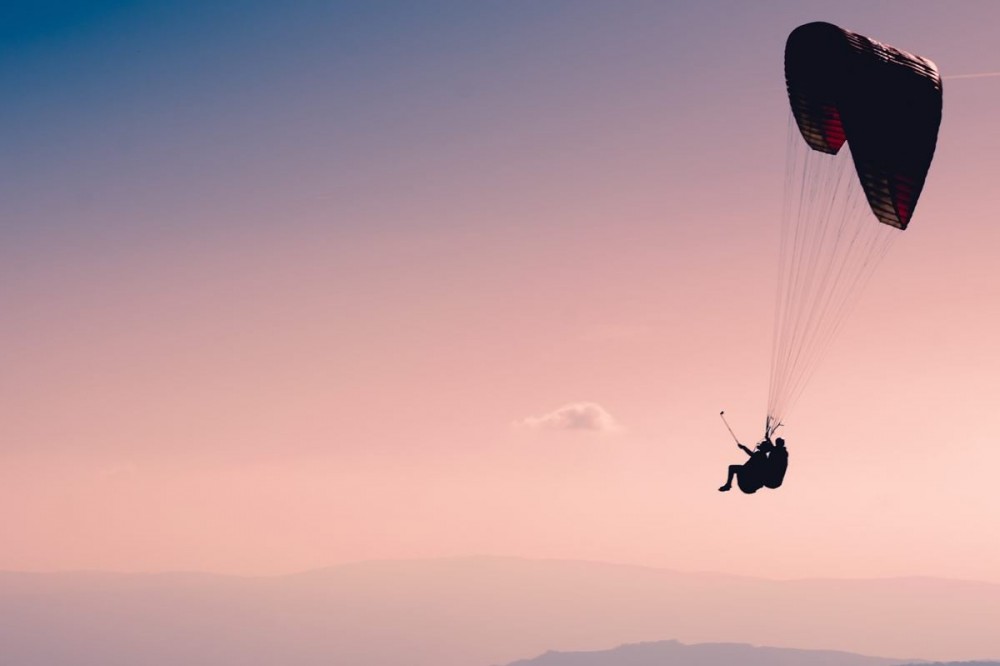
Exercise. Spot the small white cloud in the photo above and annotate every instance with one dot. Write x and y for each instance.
(577, 416)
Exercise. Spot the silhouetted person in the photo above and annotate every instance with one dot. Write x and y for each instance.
(750, 475)
(777, 464)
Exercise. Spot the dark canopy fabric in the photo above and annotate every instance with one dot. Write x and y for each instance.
(884, 102)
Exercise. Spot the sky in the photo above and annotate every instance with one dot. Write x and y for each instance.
(287, 287)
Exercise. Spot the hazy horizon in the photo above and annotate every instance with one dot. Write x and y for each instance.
(490, 557)
(478, 611)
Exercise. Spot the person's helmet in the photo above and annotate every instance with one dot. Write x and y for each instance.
(779, 442)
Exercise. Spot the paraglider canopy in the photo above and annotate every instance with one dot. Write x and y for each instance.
(857, 106)
(884, 102)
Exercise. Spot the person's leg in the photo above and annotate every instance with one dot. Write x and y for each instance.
(733, 471)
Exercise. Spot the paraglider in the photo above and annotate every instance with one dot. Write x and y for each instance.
(862, 132)
(765, 468)
(750, 475)
(777, 465)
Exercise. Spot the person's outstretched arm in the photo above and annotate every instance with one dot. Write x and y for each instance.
(748, 451)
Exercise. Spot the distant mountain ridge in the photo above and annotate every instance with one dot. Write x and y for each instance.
(675, 653)
(472, 612)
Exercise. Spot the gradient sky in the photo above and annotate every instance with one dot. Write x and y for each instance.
(281, 286)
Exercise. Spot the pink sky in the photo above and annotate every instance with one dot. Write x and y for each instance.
(323, 355)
